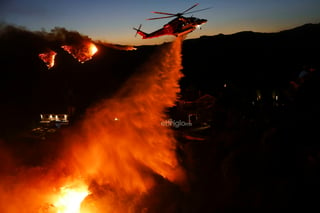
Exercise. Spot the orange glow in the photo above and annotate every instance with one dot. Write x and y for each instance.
(83, 52)
(48, 58)
(69, 199)
(92, 49)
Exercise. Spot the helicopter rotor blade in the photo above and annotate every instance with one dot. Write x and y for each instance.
(190, 8)
(195, 11)
(170, 14)
(161, 17)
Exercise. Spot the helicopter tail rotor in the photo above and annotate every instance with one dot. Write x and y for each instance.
(137, 29)
(140, 32)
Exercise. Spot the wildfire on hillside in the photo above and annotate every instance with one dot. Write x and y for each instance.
(48, 58)
(82, 52)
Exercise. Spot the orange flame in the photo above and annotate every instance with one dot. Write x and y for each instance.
(92, 49)
(48, 58)
(83, 52)
(70, 198)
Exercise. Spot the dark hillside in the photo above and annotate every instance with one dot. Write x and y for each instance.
(252, 59)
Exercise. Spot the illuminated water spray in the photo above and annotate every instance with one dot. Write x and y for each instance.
(123, 154)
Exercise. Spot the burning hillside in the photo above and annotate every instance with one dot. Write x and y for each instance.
(48, 58)
(82, 52)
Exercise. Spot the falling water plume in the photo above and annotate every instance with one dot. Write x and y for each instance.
(122, 144)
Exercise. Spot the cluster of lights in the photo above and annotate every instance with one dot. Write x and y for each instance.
(47, 118)
(275, 97)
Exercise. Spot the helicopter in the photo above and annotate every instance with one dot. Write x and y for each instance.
(179, 26)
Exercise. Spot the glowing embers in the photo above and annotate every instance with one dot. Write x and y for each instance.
(83, 52)
(48, 58)
(70, 197)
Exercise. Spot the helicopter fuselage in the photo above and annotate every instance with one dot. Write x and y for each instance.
(177, 27)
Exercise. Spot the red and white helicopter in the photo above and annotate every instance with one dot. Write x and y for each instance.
(177, 27)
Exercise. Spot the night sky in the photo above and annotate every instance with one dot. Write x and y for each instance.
(112, 21)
